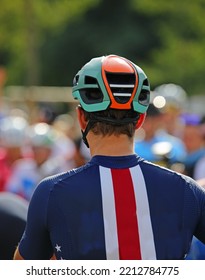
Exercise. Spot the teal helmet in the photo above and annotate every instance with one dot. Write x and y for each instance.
(111, 82)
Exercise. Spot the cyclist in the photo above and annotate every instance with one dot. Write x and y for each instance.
(116, 206)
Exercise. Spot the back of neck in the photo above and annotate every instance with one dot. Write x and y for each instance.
(111, 145)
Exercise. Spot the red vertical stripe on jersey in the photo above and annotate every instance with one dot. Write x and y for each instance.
(127, 226)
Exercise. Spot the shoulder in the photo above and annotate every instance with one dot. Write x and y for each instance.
(153, 169)
(183, 190)
(156, 173)
(48, 184)
(52, 190)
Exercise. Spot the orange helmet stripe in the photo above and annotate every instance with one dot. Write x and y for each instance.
(117, 64)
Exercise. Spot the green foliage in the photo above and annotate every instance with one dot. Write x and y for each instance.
(47, 41)
(104, 29)
(23, 27)
(180, 27)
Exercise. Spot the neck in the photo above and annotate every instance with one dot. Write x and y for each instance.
(110, 145)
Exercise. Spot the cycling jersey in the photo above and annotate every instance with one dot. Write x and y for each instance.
(114, 208)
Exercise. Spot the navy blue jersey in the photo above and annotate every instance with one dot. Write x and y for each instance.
(114, 208)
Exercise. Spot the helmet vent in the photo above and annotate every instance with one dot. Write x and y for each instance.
(75, 80)
(121, 85)
(144, 96)
(92, 93)
(91, 96)
(90, 80)
(145, 82)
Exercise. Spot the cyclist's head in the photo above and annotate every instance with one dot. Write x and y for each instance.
(112, 91)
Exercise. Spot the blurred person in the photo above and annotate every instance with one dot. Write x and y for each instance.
(171, 99)
(12, 145)
(199, 170)
(13, 213)
(171, 149)
(4, 169)
(63, 125)
(201, 182)
(45, 114)
(194, 141)
(28, 172)
(71, 146)
(82, 153)
(197, 250)
(116, 206)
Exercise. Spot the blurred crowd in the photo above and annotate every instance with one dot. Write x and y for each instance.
(174, 137)
(171, 135)
(30, 152)
(33, 150)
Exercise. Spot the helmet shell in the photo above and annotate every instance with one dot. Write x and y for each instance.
(174, 95)
(41, 135)
(13, 131)
(111, 82)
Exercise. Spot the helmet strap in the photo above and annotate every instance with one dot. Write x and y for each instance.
(95, 119)
(85, 132)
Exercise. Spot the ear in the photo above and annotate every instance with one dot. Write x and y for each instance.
(81, 118)
(140, 120)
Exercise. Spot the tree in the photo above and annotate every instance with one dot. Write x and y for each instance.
(23, 24)
(110, 27)
(165, 38)
(47, 41)
(179, 56)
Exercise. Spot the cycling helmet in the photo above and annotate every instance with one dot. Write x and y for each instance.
(111, 82)
(175, 97)
(13, 131)
(41, 135)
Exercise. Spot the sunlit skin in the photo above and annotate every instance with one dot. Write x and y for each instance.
(106, 145)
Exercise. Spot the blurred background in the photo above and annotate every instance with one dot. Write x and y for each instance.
(43, 43)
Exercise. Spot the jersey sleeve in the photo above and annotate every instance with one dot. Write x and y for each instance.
(35, 243)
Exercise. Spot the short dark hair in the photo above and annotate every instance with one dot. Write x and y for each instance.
(115, 123)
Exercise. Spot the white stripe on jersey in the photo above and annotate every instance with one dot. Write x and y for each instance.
(109, 215)
(143, 215)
